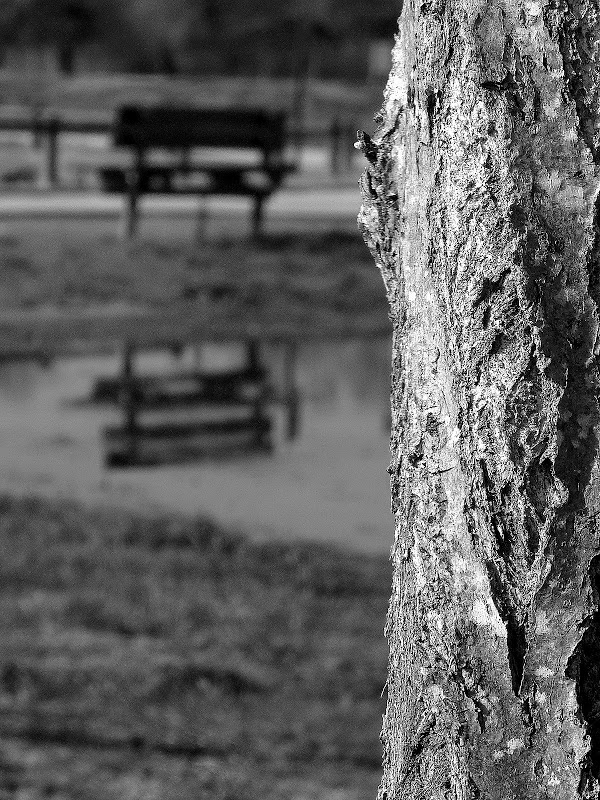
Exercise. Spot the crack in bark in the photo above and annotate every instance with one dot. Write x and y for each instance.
(568, 24)
(516, 636)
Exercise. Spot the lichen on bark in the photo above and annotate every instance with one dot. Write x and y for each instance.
(479, 206)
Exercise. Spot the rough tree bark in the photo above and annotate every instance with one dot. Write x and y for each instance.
(479, 207)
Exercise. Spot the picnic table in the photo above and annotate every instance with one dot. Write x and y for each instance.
(255, 138)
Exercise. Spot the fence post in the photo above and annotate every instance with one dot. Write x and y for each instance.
(334, 139)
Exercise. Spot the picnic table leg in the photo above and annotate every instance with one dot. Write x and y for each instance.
(128, 400)
(257, 215)
(291, 392)
(178, 350)
(253, 355)
(253, 364)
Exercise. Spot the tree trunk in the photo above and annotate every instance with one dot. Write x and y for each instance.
(479, 207)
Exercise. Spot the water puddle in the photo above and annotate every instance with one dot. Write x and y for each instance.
(330, 484)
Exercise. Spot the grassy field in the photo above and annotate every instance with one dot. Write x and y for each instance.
(324, 276)
(98, 95)
(168, 658)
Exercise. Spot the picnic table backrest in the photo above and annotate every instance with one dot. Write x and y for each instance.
(146, 127)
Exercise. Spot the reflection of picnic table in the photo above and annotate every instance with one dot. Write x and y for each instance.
(164, 416)
(179, 130)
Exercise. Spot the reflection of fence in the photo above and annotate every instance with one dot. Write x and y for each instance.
(338, 138)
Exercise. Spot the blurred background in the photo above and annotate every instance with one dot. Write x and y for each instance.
(194, 401)
(321, 62)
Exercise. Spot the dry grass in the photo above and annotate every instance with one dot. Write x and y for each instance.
(97, 96)
(168, 658)
(328, 275)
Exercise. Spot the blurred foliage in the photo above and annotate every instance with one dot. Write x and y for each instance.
(166, 657)
(66, 25)
(285, 38)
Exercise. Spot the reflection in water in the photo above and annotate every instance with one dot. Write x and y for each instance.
(333, 377)
(329, 484)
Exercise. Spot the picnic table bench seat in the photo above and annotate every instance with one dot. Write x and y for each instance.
(145, 130)
(176, 442)
(183, 389)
